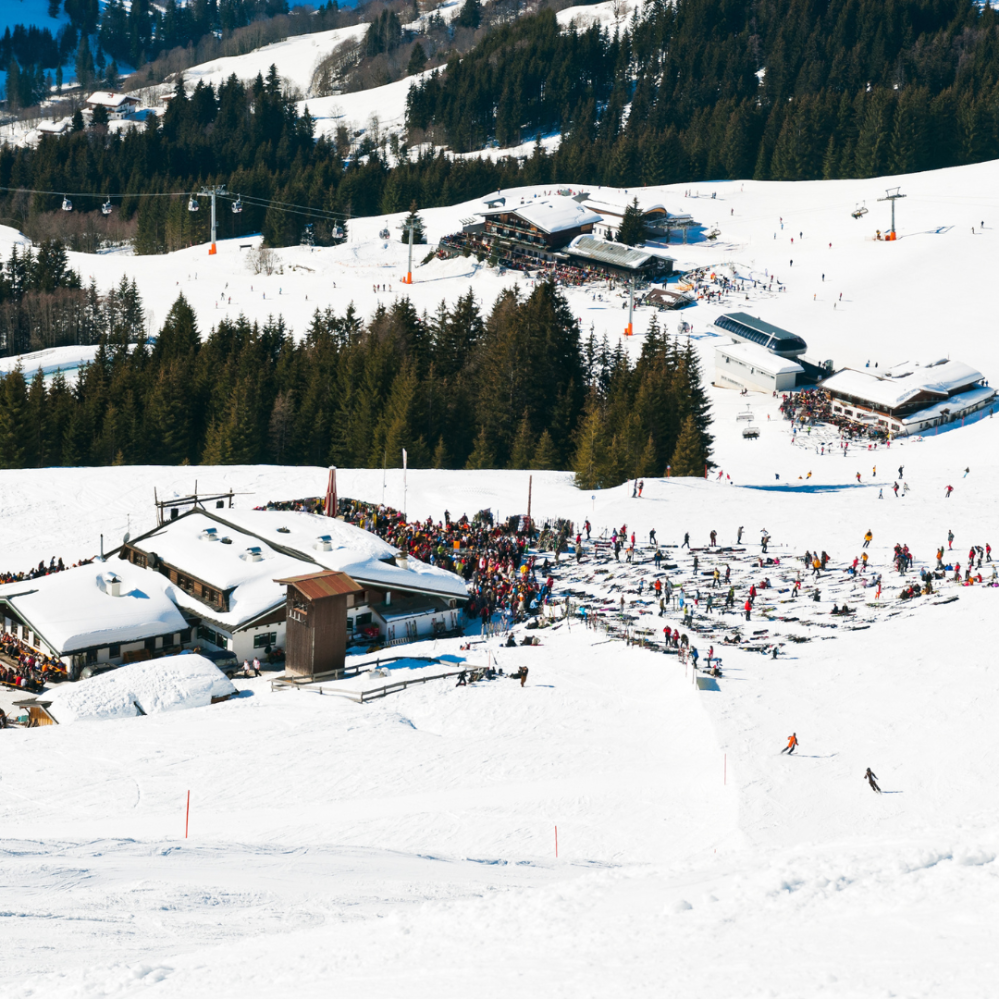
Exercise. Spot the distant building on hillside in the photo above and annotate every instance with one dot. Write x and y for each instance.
(117, 105)
(544, 224)
(910, 398)
(747, 366)
(750, 329)
(616, 259)
(611, 205)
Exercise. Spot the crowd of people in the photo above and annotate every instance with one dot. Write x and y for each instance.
(55, 565)
(21, 666)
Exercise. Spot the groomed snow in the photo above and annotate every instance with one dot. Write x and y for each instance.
(173, 683)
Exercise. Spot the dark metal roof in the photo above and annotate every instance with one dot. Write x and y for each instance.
(316, 585)
(760, 325)
(614, 254)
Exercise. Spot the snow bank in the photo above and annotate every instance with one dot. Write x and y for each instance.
(168, 684)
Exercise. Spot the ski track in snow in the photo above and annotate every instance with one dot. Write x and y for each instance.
(409, 844)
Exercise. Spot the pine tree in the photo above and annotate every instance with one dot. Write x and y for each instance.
(592, 447)
(441, 458)
(482, 455)
(523, 444)
(632, 231)
(545, 456)
(417, 60)
(413, 220)
(689, 457)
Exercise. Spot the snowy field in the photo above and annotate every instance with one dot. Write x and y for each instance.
(408, 844)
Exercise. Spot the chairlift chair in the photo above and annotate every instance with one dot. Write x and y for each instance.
(859, 213)
(192, 205)
(67, 205)
(107, 207)
(338, 232)
(237, 205)
(384, 234)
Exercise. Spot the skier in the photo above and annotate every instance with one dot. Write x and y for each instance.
(714, 539)
(586, 526)
(871, 779)
(950, 540)
(868, 538)
(686, 541)
(792, 744)
(748, 607)
(948, 491)
(652, 536)
(900, 467)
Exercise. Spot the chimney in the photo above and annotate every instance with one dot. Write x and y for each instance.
(112, 585)
(402, 560)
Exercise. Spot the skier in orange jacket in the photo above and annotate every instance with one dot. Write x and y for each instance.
(792, 744)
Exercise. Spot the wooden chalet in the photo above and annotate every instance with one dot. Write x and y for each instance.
(545, 224)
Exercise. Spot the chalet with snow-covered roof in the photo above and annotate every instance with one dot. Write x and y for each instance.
(544, 224)
(911, 398)
(617, 260)
(117, 105)
(217, 582)
(748, 366)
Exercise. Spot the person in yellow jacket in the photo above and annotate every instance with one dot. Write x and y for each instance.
(868, 538)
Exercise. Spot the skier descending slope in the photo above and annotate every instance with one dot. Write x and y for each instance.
(792, 744)
(871, 779)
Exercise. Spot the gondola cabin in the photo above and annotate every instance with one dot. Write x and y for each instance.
(317, 605)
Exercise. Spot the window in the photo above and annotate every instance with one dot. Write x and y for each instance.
(114, 651)
(208, 635)
(91, 656)
(350, 624)
(151, 644)
(363, 620)
(267, 638)
(185, 636)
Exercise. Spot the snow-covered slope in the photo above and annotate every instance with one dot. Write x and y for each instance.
(296, 59)
(412, 839)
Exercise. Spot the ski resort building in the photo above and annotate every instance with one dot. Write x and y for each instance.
(750, 329)
(611, 206)
(911, 398)
(617, 260)
(544, 224)
(213, 581)
(748, 366)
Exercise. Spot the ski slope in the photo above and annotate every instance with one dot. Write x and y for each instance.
(408, 843)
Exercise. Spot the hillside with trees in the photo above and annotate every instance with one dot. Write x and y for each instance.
(515, 388)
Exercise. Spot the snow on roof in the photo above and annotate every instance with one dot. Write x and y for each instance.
(172, 683)
(615, 254)
(360, 554)
(75, 609)
(554, 214)
(267, 545)
(897, 385)
(608, 205)
(109, 99)
(760, 357)
(954, 406)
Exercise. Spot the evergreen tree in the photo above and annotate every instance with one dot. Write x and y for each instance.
(632, 231)
(417, 60)
(545, 456)
(482, 455)
(470, 15)
(689, 457)
(413, 220)
(523, 445)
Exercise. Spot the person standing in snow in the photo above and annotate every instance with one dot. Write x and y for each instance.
(948, 491)
(871, 779)
(714, 539)
(652, 536)
(686, 541)
(950, 540)
(738, 536)
(792, 744)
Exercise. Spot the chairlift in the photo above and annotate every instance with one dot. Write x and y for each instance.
(107, 207)
(237, 205)
(338, 232)
(67, 205)
(385, 234)
(192, 205)
(859, 212)
(714, 233)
